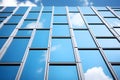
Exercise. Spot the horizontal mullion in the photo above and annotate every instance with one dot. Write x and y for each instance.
(62, 63)
(10, 63)
(38, 48)
(62, 37)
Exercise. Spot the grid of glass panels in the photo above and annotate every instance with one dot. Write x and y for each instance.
(52, 43)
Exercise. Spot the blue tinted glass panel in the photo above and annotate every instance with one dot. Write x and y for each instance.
(93, 64)
(14, 19)
(84, 39)
(73, 9)
(47, 9)
(8, 9)
(45, 20)
(32, 16)
(106, 14)
(29, 24)
(101, 8)
(117, 30)
(21, 10)
(6, 30)
(15, 51)
(62, 73)
(40, 40)
(109, 43)
(59, 10)
(35, 9)
(34, 68)
(118, 12)
(112, 55)
(8, 72)
(59, 48)
(60, 30)
(76, 20)
(113, 21)
(60, 19)
(1, 19)
(100, 30)
(2, 41)
(92, 19)
(4, 14)
(24, 33)
(86, 10)
(117, 70)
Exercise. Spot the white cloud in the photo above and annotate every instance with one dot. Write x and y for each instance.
(40, 70)
(96, 73)
(55, 47)
(86, 3)
(76, 19)
(31, 25)
(40, 25)
(36, 1)
(16, 3)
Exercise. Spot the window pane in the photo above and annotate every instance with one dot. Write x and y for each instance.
(59, 10)
(6, 30)
(35, 8)
(60, 30)
(113, 55)
(47, 8)
(101, 8)
(32, 16)
(92, 19)
(2, 41)
(100, 30)
(118, 12)
(84, 39)
(15, 51)
(109, 43)
(21, 10)
(45, 20)
(86, 10)
(40, 40)
(29, 24)
(34, 68)
(61, 47)
(24, 33)
(76, 20)
(117, 30)
(73, 9)
(60, 19)
(8, 72)
(4, 14)
(62, 73)
(14, 19)
(8, 9)
(106, 14)
(113, 21)
(94, 67)
(117, 70)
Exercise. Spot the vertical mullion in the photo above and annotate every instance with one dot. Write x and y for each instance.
(76, 56)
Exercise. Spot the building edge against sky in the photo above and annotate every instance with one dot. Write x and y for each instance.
(52, 43)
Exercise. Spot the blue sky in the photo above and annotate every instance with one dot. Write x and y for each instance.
(60, 2)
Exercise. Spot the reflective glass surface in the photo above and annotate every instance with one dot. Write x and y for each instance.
(21, 10)
(101, 8)
(113, 21)
(86, 10)
(109, 43)
(59, 48)
(84, 39)
(93, 65)
(72, 9)
(92, 19)
(28, 24)
(112, 55)
(117, 30)
(76, 20)
(60, 30)
(2, 41)
(24, 33)
(106, 14)
(100, 30)
(59, 10)
(62, 73)
(35, 8)
(32, 16)
(47, 8)
(118, 12)
(117, 70)
(15, 51)
(60, 19)
(8, 9)
(45, 20)
(34, 68)
(6, 30)
(14, 19)
(40, 40)
(8, 72)
(4, 14)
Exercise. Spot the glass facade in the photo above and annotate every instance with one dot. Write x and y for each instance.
(60, 43)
